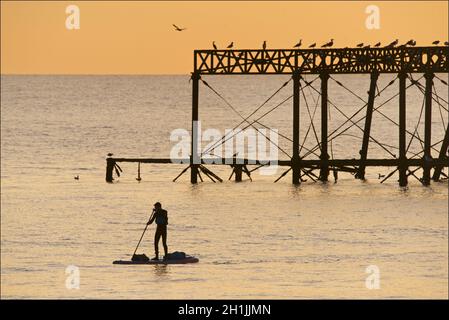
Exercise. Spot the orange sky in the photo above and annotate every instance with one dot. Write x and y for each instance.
(137, 37)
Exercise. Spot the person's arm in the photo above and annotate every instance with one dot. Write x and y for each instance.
(153, 216)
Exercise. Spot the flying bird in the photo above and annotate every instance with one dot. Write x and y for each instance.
(110, 154)
(313, 45)
(178, 28)
(329, 44)
(436, 42)
(264, 45)
(360, 45)
(230, 45)
(377, 45)
(214, 45)
(393, 44)
(298, 44)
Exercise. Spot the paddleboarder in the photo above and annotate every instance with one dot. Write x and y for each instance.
(161, 217)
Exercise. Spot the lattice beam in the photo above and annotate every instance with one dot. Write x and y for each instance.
(314, 61)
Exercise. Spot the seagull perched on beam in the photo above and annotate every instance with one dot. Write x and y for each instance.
(377, 45)
(436, 42)
(313, 45)
(393, 44)
(329, 44)
(360, 45)
(178, 28)
(367, 46)
(410, 43)
(214, 45)
(298, 44)
(230, 45)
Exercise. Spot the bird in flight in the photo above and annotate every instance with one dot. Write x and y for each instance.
(313, 45)
(214, 45)
(377, 45)
(264, 45)
(298, 44)
(178, 28)
(394, 43)
(436, 42)
(360, 45)
(110, 154)
(230, 45)
(329, 44)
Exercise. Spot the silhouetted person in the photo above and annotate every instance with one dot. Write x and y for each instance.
(161, 217)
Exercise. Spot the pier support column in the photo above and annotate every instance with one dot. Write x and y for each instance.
(195, 159)
(427, 129)
(238, 169)
(296, 172)
(402, 128)
(110, 164)
(324, 171)
(444, 156)
(366, 132)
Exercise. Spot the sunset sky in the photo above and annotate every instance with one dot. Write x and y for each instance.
(138, 37)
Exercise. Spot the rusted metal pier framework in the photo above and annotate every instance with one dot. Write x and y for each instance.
(402, 61)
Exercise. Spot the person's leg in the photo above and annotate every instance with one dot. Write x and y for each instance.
(157, 236)
(164, 240)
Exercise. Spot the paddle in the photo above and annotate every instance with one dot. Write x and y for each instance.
(146, 226)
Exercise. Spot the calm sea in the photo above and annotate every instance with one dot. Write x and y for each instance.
(254, 239)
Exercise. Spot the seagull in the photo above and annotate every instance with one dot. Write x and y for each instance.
(366, 47)
(230, 45)
(313, 45)
(178, 28)
(446, 43)
(329, 44)
(264, 45)
(298, 44)
(436, 42)
(377, 45)
(77, 177)
(394, 43)
(360, 45)
(110, 154)
(411, 43)
(214, 45)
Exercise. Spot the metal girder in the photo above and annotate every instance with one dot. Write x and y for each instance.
(314, 61)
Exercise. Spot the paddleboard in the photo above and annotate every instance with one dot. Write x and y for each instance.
(187, 259)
